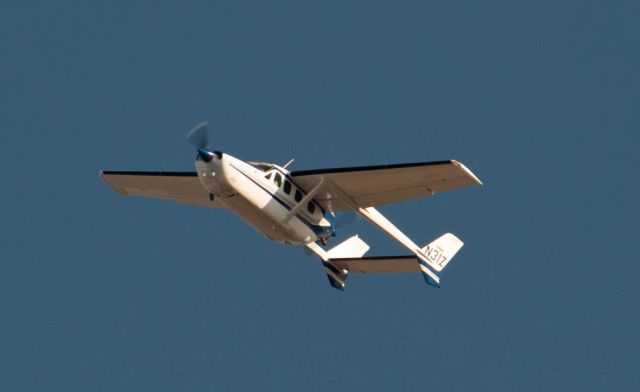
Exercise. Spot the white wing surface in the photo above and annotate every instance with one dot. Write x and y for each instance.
(182, 187)
(369, 186)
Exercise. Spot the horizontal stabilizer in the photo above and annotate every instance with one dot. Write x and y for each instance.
(386, 265)
(378, 264)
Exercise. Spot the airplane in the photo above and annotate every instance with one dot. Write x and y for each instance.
(299, 207)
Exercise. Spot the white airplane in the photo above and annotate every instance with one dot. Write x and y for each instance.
(298, 207)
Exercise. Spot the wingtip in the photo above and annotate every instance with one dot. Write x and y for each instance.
(468, 172)
(113, 186)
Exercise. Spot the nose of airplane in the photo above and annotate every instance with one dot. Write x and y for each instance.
(205, 154)
(199, 138)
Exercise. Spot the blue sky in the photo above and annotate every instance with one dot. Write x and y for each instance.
(539, 99)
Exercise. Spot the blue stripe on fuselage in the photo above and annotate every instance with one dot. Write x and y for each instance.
(325, 231)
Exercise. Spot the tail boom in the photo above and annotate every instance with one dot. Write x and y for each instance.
(432, 258)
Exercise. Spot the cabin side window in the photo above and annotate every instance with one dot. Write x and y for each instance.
(311, 207)
(298, 195)
(277, 179)
(287, 187)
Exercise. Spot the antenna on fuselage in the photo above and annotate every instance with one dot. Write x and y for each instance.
(288, 163)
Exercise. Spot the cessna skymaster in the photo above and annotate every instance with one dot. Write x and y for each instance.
(299, 207)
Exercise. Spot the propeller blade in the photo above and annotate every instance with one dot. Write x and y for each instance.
(198, 135)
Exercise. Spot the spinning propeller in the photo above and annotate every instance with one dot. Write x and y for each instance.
(198, 136)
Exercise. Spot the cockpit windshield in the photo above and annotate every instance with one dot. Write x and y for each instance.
(264, 166)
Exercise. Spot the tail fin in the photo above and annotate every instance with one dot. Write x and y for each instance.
(353, 247)
(437, 255)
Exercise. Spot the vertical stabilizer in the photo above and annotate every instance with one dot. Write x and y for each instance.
(440, 252)
(353, 247)
(437, 255)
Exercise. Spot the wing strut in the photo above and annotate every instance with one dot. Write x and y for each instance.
(308, 197)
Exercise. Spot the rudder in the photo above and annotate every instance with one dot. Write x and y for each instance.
(436, 255)
(440, 252)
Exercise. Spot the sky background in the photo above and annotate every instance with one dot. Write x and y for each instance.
(102, 293)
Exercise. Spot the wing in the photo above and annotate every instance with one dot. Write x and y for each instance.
(369, 186)
(182, 187)
(378, 265)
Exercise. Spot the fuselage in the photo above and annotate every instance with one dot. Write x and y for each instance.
(264, 195)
